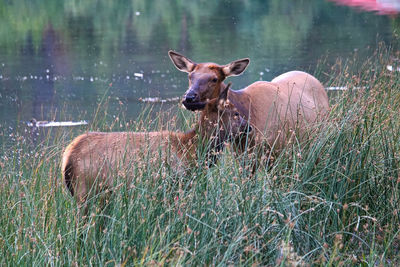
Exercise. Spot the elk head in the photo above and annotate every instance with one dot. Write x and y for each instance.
(205, 79)
(221, 121)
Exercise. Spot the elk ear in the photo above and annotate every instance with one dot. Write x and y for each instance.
(212, 105)
(223, 96)
(236, 67)
(181, 62)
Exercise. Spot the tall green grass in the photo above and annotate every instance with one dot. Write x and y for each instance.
(332, 199)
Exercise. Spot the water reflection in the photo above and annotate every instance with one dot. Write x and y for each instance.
(383, 7)
(60, 58)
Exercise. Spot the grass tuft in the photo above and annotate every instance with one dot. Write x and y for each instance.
(332, 199)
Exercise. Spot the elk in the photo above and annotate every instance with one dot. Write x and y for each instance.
(96, 158)
(291, 102)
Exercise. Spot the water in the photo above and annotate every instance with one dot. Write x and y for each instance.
(58, 59)
(383, 7)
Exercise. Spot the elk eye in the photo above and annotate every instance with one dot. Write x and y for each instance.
(237, 114)
(214, 80)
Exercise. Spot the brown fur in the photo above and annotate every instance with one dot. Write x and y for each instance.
(291, 102)
(98, 157)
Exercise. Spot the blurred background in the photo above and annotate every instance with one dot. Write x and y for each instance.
(58, 59)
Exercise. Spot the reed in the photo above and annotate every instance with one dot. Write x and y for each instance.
(333, 199)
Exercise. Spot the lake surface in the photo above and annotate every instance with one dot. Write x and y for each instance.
(58, 59)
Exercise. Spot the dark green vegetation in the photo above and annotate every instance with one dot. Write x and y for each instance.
(126, 26)
(83, 46)
(333, 199)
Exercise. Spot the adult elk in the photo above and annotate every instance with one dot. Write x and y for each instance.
(93, 160)
(290, 102)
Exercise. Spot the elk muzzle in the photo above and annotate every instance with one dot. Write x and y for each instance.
(191, 101)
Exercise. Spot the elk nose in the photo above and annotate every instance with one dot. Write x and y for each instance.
(190, 97)
(246, 129)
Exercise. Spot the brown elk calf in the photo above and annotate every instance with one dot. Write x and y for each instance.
(291, 102)
(96, 158)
